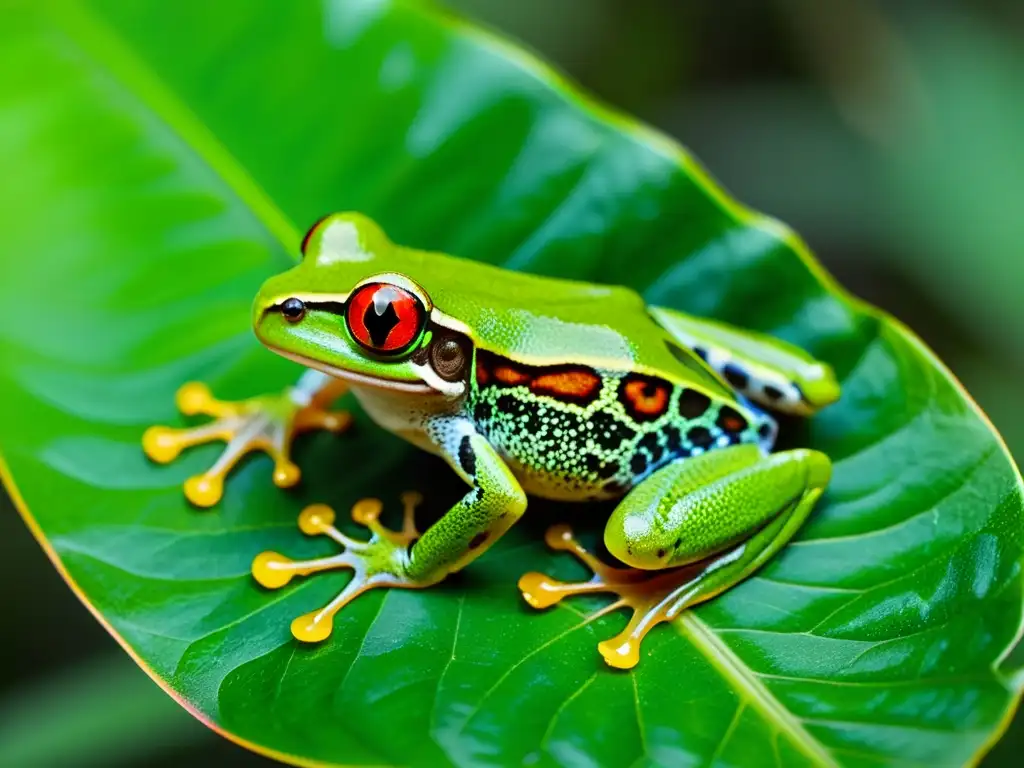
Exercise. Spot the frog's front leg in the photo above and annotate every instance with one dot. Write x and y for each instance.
(494, 502)
(267, 423)
(712, 520)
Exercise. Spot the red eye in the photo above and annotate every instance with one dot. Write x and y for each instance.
(384, 318)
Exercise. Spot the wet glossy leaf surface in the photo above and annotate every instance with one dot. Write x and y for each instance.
(162, 160)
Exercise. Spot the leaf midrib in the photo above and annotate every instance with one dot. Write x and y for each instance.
(750, 688)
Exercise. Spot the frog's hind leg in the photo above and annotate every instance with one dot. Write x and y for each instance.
(767, 370)
(692, 530)
(266, 423)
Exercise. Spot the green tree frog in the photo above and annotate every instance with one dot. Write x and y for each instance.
(525, 385)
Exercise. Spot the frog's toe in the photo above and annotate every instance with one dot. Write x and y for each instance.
(194, 398)
(652, 597)
(267, 423)
(377, 562)
(164, 444)
(314, 417)
(286, 472)
(204, 490)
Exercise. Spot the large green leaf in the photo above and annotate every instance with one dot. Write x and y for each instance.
(161, 159)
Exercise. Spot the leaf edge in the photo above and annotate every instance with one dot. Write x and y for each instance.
(654, 140)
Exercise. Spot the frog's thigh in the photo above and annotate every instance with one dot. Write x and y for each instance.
(695, 508)
(765, 369)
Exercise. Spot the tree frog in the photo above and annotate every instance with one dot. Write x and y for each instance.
(525, 385)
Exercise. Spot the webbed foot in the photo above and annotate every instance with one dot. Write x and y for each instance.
(378, 562)
(652, 596)
(266, 423)
(765, 500)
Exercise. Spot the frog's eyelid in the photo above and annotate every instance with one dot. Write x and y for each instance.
(440, 319)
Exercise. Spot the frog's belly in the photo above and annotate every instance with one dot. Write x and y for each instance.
(539, 482)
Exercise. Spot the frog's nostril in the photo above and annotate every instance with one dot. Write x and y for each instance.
(293, 310)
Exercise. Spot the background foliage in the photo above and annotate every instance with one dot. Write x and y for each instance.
(888, 138)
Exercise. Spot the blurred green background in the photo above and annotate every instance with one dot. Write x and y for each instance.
(891, 135)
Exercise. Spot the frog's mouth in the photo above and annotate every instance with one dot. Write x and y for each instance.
(359, 379)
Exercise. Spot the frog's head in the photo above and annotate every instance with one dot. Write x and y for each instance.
(351, 310)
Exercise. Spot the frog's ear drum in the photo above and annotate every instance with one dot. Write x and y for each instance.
(448, 357)
(310, 232)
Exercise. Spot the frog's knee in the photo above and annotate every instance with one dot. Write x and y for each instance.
(818, 467)
(632, 537)
(496, 487)
(510, 501)
(499, 493)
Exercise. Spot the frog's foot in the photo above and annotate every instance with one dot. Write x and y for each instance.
(267, 423)
(653, 596)
(379, 562)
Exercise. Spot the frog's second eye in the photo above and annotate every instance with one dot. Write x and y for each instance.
(309, 234)
(385, 318)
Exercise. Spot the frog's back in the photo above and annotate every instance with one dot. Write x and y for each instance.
(540, 320)
(537, 318)
(580, 390)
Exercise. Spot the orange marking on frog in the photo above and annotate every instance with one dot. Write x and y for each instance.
(483, 376)
(645, 397)
(576, 384)
(573, 383)
(510, 376)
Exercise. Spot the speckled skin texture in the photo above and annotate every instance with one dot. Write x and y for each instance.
(576, 451)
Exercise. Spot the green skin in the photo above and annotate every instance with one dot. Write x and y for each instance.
(565, 390)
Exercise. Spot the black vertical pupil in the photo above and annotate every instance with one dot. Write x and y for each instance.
(381, 320)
